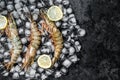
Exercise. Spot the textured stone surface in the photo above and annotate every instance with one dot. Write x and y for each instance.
(100, 46)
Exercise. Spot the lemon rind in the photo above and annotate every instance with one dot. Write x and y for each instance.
(6, 21)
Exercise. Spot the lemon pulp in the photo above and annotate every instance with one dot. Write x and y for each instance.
(54, 13)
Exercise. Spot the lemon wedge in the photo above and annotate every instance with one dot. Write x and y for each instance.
(44, 61)
(54, 13)
(3, 22)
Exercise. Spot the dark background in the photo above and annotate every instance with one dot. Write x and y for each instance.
(101, 44)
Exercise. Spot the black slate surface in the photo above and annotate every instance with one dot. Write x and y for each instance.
(101, 45)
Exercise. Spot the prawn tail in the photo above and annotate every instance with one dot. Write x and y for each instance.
(9, 65)
(54, 61)
(27, 64)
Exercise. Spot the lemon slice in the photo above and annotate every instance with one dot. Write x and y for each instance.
(54, 13)
(3, 22)
(44, 61)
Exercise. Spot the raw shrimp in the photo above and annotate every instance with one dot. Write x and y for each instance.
(35, 39)
(12, 33)
(55, 35)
